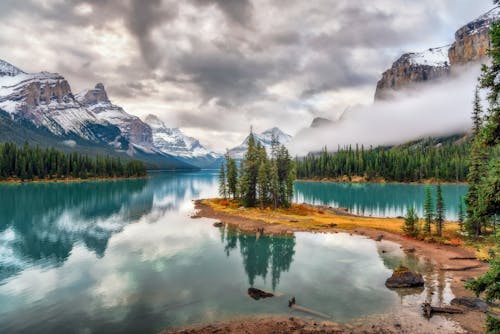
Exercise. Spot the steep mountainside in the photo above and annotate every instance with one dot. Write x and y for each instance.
(132, 128)
(470, 45)
(172, 141)
(264, 139)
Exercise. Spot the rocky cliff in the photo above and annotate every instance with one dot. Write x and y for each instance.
(470, 45)
(472, 40)
(132, 128)
(412, 68)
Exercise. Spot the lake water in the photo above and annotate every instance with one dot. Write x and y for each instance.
(125, 256)
(378, 200)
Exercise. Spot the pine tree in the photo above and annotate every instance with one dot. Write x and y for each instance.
(222, 181)
(461, 213)
(231, 177)
(428, 210)
(440, 211)
(410, 226)
(263, 184)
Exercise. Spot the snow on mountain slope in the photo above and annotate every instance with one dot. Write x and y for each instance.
(46, 100)
(264, 139)
(132, 127)
(437, 57)
(173, 141)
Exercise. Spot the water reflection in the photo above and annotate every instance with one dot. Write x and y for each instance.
(41, 223)
(381, 200)
(260, 254)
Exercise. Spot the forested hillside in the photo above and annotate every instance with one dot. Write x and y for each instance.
(29, 163)
(443, 159)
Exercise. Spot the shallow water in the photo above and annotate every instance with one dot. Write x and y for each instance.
(125, 256)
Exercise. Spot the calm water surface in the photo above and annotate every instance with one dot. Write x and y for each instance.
(125, 256)
(380, 200)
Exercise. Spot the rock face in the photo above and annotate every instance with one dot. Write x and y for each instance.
(470, 45)
(472, 40)
(320, 121)
(404, 278)
(132, 128)
(413, 68)
(46, 100)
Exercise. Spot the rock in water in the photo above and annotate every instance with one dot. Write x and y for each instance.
(470, 302)
(403, 277)
(258, 294)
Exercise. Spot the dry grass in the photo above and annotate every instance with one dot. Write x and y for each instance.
(308, 216)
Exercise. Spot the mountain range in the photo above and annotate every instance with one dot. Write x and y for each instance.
(41, 109)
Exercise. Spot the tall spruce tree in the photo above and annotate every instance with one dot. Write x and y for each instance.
(477, 169)
(461, 213)
(222, 181)
(232, 177)
(428, 210)
(440, 211)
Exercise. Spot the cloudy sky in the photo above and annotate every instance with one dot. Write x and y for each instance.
(214, 67)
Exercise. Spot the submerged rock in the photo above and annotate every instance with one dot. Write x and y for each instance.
(471, 303)
(403, 277)
(259, 294)
(218, 224)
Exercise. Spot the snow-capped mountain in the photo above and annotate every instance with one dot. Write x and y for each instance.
(172, 141)
(40, 108)
(46, 100)
(132, 127)
(264, 138)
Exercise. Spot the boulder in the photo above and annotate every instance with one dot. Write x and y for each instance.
(471, 303)
(257, 294)
(403, 277)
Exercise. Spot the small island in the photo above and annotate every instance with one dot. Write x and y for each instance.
(28, 164)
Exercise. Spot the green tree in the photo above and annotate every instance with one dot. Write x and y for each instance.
(222, 181)
(440, 211)
(461, 213)
(231, 177)
(263, 184)
(410, 226)
(428, 210)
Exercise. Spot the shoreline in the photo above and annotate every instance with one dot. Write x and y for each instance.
(440, 255)
(360, 180)
(70, 180)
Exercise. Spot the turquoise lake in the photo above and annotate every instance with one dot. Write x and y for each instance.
(125, 257)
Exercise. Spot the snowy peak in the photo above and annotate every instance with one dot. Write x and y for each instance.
(7, 69)
(173, 141)
(264, 138)
(93, 96)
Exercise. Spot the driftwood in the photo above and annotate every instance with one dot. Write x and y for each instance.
(428, 310)
(462, 268)
(463, 258)
(309, 311)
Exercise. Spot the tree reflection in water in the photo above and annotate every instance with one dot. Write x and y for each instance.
(261, 254)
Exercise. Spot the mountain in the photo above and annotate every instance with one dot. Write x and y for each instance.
(138, 133)
(172, 141)
(470, 46)
(318, 122)
(264, 139)
(40, 108)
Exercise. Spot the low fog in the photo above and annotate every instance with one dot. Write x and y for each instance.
(437, 109)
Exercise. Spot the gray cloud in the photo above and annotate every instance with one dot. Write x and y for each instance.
(261, 61)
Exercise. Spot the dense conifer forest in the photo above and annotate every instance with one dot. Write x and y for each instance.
(443, 160)
(34, 163)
